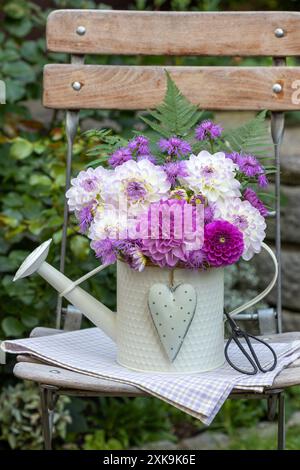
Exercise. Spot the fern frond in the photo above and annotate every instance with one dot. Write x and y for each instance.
(106, 145)
(175, 116)
(253, 137)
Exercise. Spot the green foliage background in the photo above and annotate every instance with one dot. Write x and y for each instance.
(32, 163)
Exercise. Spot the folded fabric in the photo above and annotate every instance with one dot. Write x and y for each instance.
(201, 395)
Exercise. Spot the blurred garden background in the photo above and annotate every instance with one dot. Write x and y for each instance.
(32, 173)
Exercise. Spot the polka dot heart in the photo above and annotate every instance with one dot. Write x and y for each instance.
(172, 311)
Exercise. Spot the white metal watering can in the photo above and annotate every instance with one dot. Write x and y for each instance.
(167, 320)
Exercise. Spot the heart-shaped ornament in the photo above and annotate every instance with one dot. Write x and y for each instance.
(172, 310)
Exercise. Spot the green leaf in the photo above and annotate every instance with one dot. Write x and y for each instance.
(40, 180)
(35, 227)
(9, 54)
(18, 28)
(6, 264)
(12, 326)
(80, 246)
(30, 51)
(15, 90)
(21, 149)
(20, 70)
(175, 116)
(29, 321)
(15, 10)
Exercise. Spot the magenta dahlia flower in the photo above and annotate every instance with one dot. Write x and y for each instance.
(251, 196)
(223, 243)
(208, 130)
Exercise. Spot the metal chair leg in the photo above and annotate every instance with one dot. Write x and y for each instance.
(48, 401)
(272, 406)
(281, 422)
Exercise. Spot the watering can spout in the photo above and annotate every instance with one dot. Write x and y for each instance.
(94, 310)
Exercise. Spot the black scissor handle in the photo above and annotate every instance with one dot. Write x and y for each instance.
(246, 354)
(256, 358)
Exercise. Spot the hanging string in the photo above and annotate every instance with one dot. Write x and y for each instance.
(171, 277)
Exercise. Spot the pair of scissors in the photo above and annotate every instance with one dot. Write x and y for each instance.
(237, 335)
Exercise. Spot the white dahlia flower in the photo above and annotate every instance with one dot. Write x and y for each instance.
(137, 183)
(88, 187)
(212, 175)
(247, 219)
(108, 223)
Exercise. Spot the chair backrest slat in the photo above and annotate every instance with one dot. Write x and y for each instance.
(173, 33)
(129, 87)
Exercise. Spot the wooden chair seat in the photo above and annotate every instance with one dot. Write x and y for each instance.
(64, 380)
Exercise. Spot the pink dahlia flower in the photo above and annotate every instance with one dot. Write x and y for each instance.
(171, 241)
(223, 243)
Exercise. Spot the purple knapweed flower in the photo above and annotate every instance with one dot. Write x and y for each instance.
(85, 217)
(105, 250)
(223, 243)
(251, 196)
(120, 156)
(196, 260)
(140, 145)
(249, 165)
(208, 130)
(262, 180)
(174, 146)
(174, 170)
(234, 156)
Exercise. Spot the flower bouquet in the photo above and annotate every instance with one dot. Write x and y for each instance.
(173, 206)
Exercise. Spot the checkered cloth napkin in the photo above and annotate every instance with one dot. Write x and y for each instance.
(201, 395)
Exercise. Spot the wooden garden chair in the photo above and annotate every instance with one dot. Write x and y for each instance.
(76, 86)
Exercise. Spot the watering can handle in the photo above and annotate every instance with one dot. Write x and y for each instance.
(260, 296)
